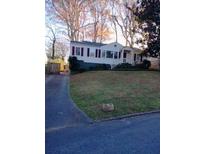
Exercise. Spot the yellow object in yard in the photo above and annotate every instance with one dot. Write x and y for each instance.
(59, 61)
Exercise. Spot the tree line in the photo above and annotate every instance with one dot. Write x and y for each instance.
(97, 20)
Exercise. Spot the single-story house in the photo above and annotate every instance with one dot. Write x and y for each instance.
(99, 53)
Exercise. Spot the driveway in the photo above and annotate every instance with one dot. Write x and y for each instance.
(60, 110)
(69, 130)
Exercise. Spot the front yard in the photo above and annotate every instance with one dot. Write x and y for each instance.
(129, 91)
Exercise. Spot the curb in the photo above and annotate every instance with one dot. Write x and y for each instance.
(126, 116)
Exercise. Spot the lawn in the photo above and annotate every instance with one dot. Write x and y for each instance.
(129, 91)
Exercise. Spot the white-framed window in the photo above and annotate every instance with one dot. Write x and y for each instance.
(92, 53)
(138, 58)
(115, 55)
(78, 51)
(109, 54)
(97, 53)
(103, 54)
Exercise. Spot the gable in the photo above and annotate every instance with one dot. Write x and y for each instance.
(112, 46)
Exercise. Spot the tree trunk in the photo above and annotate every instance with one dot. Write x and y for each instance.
(53, 49)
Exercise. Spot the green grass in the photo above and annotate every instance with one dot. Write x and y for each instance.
(129, 91)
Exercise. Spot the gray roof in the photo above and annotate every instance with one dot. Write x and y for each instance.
(88, 43)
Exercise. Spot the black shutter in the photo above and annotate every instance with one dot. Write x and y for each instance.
(82, 51)
(88, 52)
(134, 57)
(96, 53)
(99, 53)
(73, 50)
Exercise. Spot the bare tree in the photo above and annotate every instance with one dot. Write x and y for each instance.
(99, 14)
(61, 48)
(72, 14)
(125, 19)
(112, 17)
(51, 35)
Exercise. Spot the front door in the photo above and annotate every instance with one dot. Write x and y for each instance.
(124, 57)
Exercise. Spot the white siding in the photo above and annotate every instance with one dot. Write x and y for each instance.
(102, 60)
(114, 47)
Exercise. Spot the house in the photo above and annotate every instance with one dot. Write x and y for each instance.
(99, 53)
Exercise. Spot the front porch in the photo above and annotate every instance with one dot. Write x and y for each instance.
(131, 55)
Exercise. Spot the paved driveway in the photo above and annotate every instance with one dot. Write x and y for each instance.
(60, 110)
(69, 131)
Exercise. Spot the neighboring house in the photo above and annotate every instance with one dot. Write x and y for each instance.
(112, 54)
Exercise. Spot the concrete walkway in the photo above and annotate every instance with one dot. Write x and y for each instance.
(60, 111)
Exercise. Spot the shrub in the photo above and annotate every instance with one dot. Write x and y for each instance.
(73, 63)
(106, 66)
(81, 70)
(146, 64)
(128, 67)
(123, 65)
(79, 66)
(102, 67)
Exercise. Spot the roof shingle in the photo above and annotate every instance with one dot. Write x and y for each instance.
(88, 43)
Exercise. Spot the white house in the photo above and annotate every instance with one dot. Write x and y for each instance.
(113, 53)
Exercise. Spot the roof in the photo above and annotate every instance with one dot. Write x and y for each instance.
(88, 43)
(139, 51)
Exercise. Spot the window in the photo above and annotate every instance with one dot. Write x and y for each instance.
(99, 53)
(138, 58)
(77, 51)
(115, 55)
(82, 49)
(124, 55)
(109, 54)
(73, 50)
(103, 54)
(135, 57)
(96, 53)
(92, 54)
(88, 52)
(119, 54)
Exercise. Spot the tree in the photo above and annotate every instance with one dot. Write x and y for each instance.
(51, 35)
(80, 19)
(148, 14)
(99, 13)
(126, 20)
(56, 46)
(71, 14)
(112, 16)
(61, 48)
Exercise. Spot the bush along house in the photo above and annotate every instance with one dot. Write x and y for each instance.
(92, 53)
